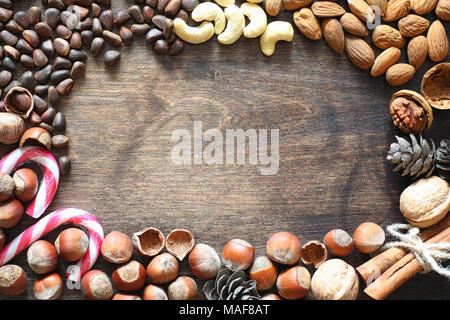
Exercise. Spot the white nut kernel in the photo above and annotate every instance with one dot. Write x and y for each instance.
(257, 17)
(211, 12)
(194, 35)
(275, 31)
(235, 25)
(225, 3)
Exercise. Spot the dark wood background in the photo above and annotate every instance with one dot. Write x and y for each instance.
(335, 130)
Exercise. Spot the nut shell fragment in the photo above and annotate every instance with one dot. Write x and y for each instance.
(314, 252)
(20, 101)
(436, 86)
(149, 242)
(179, 243)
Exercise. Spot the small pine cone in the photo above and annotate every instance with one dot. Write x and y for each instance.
(230, 285)
(443, 159)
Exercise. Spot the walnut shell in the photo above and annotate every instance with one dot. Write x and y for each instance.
(335, 279)
(425, 202)
(12, 127)
(22, 107)
(436, 86)
(410, 112)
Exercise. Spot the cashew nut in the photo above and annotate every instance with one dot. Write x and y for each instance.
(194, 35)
(275, 31)
(225, 3)
(211, 12)
(257, 17)
(235, 25)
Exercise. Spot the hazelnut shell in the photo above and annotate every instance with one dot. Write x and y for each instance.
(314, 252)
(436, 86)
(180, 242)
(10, 107)
(148, 242)
(36, 136)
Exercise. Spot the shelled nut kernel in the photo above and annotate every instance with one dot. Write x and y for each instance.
(284, 248)
(238, 254)
(264, 272)
(162, 269)
(117, 247)
(72, 244)
(204, 261)
(42, 257)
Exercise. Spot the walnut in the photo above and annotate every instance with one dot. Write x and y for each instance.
(410, 112)
(436, 86)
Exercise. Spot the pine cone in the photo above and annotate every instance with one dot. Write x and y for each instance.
(415, 159)
(443, 159)
(230, 285)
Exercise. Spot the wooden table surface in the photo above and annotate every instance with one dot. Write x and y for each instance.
(335, 130)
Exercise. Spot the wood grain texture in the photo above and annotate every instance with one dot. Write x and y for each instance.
(335, 130)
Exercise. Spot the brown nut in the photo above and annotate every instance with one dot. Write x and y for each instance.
(26, 182)
(13, 280)
(20, 101)
(238, 254)
(152, 292)
(410, 112)
(36, 136)
(368, 237)
(117, 247)
(338, 242)
(129, 277)
(2, 239)
(314, 252)
(96, 285)
(12, 128)
(204, 261)
(425, 202)
(49, 287)
(148, 242)
(294, 283)
(180, 242)
(42, 257)
(436, 86)
(72, 244)
(183, 288)
(270, 296)
(264, 272)
(163, 269)
(10, 213)
(284, 248)
(121, 296)
(6, 186)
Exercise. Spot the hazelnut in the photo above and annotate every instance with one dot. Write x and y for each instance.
(6, 186)
(10, 213)
(270, 296)
(152, 292)
(335, 280)
(238, 254)
(129, 277)
(2, 238)
(204, 261)
(72, 244)
(294, 282)
(179, 243)
(264, 272)
(12, 128)
(368, 237)
(162, 269)
(314, 252)
(20, 101)
(284, 248)
(13, 280)
(148, 242)
(26, 182)
(121, 296)
(117, 247)
(183, 288)
(338, 242)
(96, 285)
(49, 287)
(42, 257)
(36, 136)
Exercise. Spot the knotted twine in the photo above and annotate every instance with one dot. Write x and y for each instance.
(429, 255)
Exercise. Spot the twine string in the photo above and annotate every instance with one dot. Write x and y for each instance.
(429, 255)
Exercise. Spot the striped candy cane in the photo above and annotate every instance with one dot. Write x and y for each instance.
(52, 221)
(49, 182)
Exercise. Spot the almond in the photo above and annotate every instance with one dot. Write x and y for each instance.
(385, 59)
(362, 10)
(273, 7)
(396, 9)
(423, 6)
(381, 4)
(437, 41)
(295, 4)
(327, 9)
(443, 10)
(353, 25)
(334, 35)
(417, 51)
(413, 25)
(308, 24)
(359, 52)
(399, 74)
(385, 36)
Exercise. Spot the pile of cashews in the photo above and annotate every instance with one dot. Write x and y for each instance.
(229, 25)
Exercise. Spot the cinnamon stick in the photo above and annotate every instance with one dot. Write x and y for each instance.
(372, 269)
(400, 272)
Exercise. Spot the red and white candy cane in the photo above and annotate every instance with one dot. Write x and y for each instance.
(49, 182)
(52, 221)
